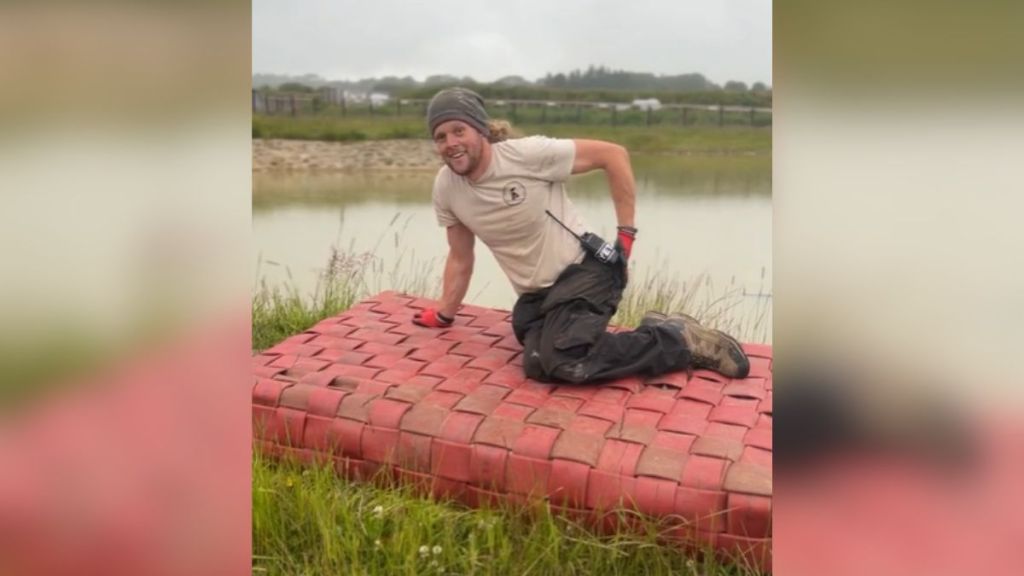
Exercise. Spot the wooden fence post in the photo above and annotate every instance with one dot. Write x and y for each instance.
(721, 114)
(649, 114)
(615, 113)
(751, 115)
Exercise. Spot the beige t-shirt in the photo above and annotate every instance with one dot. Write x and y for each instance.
(505, 209)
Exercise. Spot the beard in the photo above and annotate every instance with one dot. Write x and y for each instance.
(464, 164)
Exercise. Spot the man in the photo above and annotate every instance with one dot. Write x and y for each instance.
(511, 194)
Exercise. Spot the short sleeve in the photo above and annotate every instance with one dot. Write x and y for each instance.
(442, 206)
(546, 158)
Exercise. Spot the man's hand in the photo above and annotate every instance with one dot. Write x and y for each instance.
(624, 242)
(432, 319)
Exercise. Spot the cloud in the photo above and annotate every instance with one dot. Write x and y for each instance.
(724, 40)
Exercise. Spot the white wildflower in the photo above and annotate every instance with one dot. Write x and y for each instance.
(437, 550)
(378, 511)
(424, 550)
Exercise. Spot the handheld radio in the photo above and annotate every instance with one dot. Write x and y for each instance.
(592, 244)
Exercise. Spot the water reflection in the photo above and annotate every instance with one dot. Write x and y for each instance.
(706, 219)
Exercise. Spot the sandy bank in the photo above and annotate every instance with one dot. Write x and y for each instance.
(270, 155)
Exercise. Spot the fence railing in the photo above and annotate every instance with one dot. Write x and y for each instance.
(519, 111)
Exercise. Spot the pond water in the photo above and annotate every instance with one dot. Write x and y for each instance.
(702, 220)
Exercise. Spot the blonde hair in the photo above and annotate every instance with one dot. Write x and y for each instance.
(501, 130)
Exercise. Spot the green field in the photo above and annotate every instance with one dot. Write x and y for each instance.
(655, 139)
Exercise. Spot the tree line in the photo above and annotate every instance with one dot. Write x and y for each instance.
(595, 84)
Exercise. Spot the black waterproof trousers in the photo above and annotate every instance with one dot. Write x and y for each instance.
(562, 330)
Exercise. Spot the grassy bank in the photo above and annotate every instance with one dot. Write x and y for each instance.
(655, 139)
(280, 311)
(310, 521)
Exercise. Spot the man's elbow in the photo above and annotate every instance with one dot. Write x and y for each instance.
(620, 153)
(612, 155)
(615, 158)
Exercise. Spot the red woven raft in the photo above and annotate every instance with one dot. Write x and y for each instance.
(452, 411)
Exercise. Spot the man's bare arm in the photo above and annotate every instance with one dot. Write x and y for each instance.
(614, 160)
(458, 269)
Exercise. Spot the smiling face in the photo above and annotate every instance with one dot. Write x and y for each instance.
(462, 148)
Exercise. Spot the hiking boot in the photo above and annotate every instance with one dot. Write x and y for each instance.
(710, 349)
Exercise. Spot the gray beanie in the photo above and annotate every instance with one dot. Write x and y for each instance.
(458, 104)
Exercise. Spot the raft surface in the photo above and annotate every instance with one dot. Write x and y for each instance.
(451, 411)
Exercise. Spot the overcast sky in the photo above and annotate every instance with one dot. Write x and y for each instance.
(485, 39)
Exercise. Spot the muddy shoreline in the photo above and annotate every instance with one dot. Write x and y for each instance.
(274, 155)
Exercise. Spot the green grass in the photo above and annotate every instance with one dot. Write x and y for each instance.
(656, 139)
(336, 128)
(669, 139)
(309, 520)
(279, 312)
(745, 316)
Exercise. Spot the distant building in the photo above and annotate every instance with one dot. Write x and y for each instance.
(375, 98)
(647, 103)
(354, 97)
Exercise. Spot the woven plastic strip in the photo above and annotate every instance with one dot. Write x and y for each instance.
(451, 411)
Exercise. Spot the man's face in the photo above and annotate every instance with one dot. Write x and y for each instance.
(459, 145)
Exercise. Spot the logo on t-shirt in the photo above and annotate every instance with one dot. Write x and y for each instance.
(514, 193)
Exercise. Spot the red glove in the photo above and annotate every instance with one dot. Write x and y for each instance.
(627, 234)
(432, 319)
